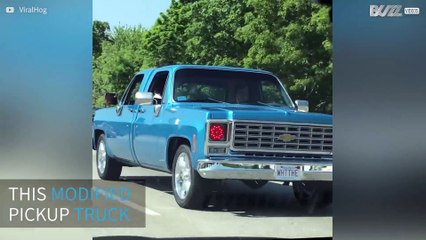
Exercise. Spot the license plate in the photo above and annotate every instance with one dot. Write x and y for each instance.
(287, 172)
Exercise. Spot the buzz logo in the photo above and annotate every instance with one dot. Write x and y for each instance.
(385, 11)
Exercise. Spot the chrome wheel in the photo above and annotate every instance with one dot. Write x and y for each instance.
(102, 155)
(182, 175)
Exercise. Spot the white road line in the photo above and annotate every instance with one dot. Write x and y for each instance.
(133, 205)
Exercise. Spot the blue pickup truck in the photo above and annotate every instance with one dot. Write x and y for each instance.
(203, 124)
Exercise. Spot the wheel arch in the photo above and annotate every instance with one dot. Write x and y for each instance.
(172, 146)
(96, 134)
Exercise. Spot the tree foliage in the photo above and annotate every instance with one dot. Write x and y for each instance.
(120, 59)
(291, 38)
(101, 33)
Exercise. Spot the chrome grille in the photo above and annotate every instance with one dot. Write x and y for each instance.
(286, 156)
(263, 137)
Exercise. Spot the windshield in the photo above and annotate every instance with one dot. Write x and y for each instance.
(203, 85)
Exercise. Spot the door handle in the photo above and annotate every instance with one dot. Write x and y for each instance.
(139, 109)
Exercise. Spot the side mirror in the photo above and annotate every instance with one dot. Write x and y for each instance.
(111, 99)
(302, 105)
(143, 98)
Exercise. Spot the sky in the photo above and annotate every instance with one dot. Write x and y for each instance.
(129, 12)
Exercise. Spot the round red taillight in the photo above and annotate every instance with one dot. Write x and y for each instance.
(217, 132)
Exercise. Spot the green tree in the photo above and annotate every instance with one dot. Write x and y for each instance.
(166, 39)
(120, 59)
(291, 38)
(100, 33)
(211, 35)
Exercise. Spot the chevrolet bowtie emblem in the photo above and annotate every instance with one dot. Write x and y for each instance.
(286, 137)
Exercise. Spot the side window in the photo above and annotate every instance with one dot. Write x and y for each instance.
(134, 88)
(158, 83)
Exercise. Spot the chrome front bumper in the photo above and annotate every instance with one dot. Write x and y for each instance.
(252, 169)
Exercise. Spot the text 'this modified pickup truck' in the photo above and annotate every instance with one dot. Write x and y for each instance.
(207, 123)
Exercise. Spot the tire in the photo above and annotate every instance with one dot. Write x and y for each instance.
(255, 184)
(108, 168)
(189, 188)
(313, 194)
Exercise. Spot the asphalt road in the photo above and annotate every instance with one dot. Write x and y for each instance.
(235, 210)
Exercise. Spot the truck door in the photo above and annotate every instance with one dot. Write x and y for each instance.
(149, 137)
(126, 113)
